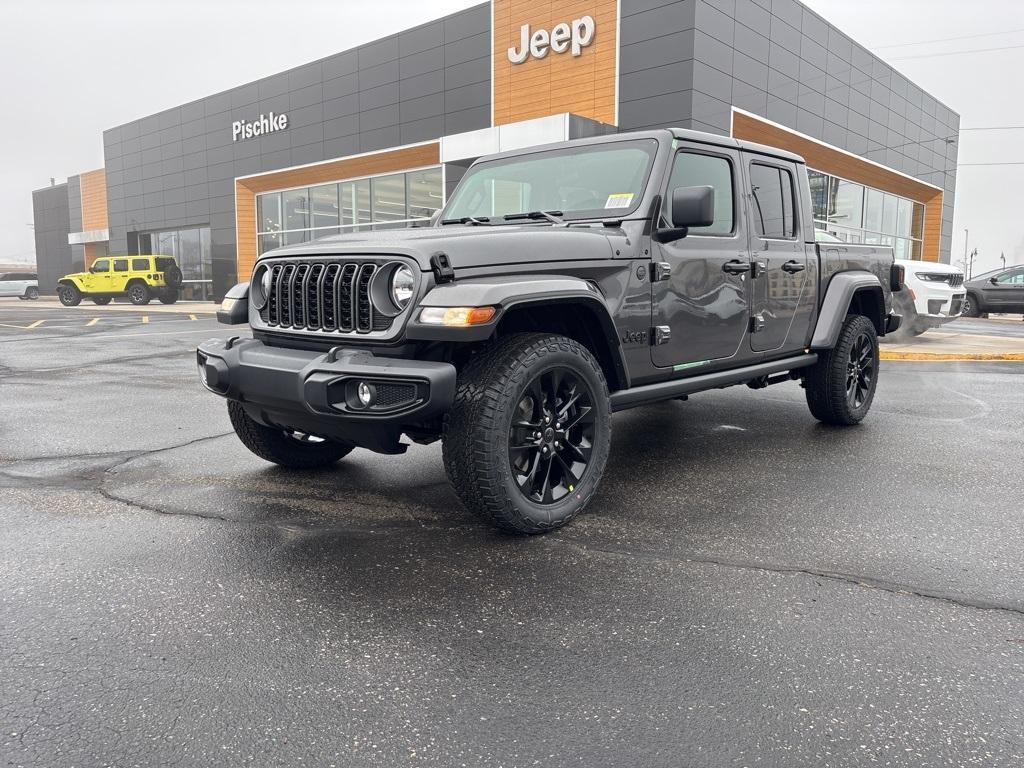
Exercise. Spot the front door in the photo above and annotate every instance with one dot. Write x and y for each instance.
(778, 254)
(98, 277)
(1005, 292)
(703, 296)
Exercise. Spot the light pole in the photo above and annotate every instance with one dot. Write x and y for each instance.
(1003, 257)
(970, 264)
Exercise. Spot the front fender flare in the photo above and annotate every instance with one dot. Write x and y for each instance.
(836, 305)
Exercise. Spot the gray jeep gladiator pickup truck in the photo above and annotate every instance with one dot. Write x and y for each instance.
(559, 284)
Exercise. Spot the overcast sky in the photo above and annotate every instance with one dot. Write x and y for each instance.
(72, 68)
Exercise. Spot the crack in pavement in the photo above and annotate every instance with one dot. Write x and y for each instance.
(865, 582)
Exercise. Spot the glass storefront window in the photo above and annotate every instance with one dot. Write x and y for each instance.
(192, 249)
(381, 202)
(859, 214)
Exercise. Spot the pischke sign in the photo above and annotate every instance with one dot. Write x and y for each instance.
(246, 129)
(566, 37)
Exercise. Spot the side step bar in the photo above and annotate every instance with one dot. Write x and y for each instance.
(667, 390)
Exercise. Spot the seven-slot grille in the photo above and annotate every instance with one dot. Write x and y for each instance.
(331, 296)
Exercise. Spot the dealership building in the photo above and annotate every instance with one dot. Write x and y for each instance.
(377, 136)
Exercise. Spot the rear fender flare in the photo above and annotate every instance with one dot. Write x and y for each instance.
(836, 305)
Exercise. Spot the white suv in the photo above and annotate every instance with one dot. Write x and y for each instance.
(21, 284)
(934, 294)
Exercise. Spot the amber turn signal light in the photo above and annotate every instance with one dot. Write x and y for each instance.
(458, 317)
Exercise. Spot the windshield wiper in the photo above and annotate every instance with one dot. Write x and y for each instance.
(552, 216)
(481, 222)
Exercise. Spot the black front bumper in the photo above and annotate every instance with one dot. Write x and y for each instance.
(318, 393)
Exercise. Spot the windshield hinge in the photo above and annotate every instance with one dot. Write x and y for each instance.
(442, 268)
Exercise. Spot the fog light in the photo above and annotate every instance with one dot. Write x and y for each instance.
(367, 393)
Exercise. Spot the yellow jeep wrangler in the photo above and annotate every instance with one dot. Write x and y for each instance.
(140, 278)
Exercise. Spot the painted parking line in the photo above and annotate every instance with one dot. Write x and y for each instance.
(145, 319)
(92, 322)
(36, 324)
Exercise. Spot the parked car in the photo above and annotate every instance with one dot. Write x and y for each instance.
(140, 278)
(934, 295)
(558, 285)
(1001, 290)
(24, 285)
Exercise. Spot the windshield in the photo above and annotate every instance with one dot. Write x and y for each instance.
(595, 181)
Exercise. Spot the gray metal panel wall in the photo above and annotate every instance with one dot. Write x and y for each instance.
(688, 62)
(52, 225)
(177, 168)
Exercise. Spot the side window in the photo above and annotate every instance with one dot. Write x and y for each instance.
(1011, 278)
(772, 188)
(100, 265)
(120, 265)
(140, 265)
(693, 169)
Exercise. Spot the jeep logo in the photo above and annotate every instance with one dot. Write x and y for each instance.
(634, 337)
(245, 130)
(564, 37)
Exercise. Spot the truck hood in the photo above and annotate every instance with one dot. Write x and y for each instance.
(929, 267)
(75, 276)
(472, 246)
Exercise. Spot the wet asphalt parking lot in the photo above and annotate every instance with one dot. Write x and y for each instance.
(748, 587)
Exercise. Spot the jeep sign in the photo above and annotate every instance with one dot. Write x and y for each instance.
(564, 37)
(241, 129)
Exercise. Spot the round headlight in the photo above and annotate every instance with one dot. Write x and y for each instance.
(402, 286)
(259, 287)
(265, 282)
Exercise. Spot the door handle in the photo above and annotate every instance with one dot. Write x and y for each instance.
(793, 267)
(736, 267)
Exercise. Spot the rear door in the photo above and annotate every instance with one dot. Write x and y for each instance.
(703, 297)
(779, 256)
(119, 275)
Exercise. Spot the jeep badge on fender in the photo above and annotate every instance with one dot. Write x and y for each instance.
(512, 328)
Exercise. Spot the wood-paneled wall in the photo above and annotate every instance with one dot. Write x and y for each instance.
(94, 199)
(830, 160)
(388, 161)
(559, 82)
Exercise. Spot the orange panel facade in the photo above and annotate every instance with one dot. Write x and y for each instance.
(568, 62)
(389, 161)
(94, 200)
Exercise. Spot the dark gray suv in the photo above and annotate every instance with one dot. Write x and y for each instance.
(1001, 290)
(559, 284)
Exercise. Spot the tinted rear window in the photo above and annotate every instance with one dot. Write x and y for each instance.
(162, 265)
(140, 265)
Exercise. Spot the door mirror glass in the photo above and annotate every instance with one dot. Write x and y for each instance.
(693, 207)
(994, 280)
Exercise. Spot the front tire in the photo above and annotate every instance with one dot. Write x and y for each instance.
(841, 385)
(972, 307)
(527, 439)
(138, 294)
(285, 448)
(69, 296)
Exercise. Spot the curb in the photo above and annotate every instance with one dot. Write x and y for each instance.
(952, 357)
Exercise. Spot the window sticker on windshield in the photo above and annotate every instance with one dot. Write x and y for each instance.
(619, 200)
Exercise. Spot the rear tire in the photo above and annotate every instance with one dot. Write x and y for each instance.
(841, 385)
(101, 301)
(138, 294)
(972, 307)
(69, 295)
(32, 293)
(284, 448)
(527, 439)
(168, 297)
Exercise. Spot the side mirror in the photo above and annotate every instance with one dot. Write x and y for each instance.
(993, 280)
(691, 207)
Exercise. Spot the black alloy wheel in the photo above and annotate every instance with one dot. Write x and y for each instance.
(860, 371)
(551, 438)
(32, 293)
(138, 294)
(69, 296)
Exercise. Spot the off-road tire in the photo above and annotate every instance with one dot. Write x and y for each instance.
(476, 430)
(31, 293)
(826, 380)
(168, 297)
(139, 294)
(972, 307)
(101, 301)
(69, 295)
(278, 447)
